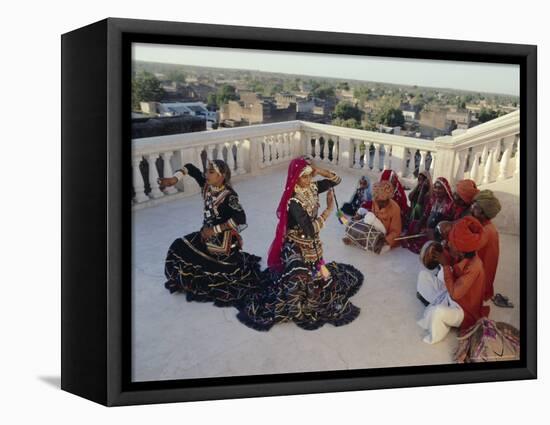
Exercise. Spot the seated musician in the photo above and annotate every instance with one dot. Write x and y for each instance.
(456, 298)
(387, 212)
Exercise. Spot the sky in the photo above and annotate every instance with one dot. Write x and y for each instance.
(474, 76)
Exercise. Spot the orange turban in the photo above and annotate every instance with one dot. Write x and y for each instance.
(382, 191)
(467, 190)
(467, 234)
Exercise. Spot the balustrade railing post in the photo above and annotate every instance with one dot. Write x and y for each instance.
(240, 156)
(138, 182)
(488, 167)
(153, 177)
(167, 171)
(357, 153)
(376, 159)
(505, 160)
(230, 157)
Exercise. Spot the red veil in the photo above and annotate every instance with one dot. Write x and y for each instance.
(399, 195)
(274, 254)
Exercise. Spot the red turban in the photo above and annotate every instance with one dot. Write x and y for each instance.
(467, 190)
(467, 234)
(382, 191)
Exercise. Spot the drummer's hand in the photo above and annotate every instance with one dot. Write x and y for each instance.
(441, 258)
(357, 217)
(167, 181)
(207, 233)
(330, 200)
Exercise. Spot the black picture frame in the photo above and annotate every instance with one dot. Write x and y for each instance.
(96, 187)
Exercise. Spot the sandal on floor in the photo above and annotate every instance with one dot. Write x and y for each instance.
(502, 301)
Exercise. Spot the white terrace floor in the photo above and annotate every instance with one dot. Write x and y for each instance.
(175, 339)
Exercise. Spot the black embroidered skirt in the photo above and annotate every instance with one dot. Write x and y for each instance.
(299, 294)
(206, 277)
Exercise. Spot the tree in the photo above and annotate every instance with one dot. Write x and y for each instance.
(145, 88)
(346, 111)
(392, 117)
(177, 75)
(323, 92)
(489, 114)
(349, 123)
(343, 86)
(224, 94)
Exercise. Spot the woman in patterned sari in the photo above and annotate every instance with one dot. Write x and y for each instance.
(298, 286)
(209, 265)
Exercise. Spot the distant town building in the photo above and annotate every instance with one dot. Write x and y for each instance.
(252, 108)
(462, 119)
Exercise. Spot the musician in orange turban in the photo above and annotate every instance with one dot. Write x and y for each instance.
(387, 211)
(456, 300)
(485, 207)
(466, 191)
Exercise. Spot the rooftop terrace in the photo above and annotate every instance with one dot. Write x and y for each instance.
(176, 339)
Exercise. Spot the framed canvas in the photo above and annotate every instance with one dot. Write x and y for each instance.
(257, 211)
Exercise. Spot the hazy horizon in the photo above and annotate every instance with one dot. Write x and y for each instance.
(458, 75)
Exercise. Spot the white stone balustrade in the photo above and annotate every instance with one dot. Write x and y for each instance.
(487, 153)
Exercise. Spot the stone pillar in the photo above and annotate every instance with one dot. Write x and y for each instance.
(137, 181)
(422, 163)
(357, 154)
(153, 176)
(230, 157)
(488, 167)
(345, 152)
(387, 150)
(166, 156)
(474, 169)
(399, 160)
(505, 160)
(240, 157)
(446, 157)
(376, 159)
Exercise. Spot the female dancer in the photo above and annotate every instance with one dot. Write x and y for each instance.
(209, 265)
(298, 286)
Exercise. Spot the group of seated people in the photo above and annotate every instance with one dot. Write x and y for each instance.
(459, 220)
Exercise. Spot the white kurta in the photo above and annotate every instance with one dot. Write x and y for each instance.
(443, 312)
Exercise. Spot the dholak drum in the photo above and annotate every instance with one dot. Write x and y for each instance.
(426, 254)
(364, 236)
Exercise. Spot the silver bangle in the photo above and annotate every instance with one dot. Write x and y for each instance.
(179, 175)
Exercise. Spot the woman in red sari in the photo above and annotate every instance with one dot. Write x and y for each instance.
(298, 286)
(440, 207)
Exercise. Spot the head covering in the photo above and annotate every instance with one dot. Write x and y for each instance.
(427, 184)
(488, 202)
(365, 193)
(221, 168)
(399, 195)
(382, 191)
(295, 169)
(467, 234)
(467, 190)
(445, 183)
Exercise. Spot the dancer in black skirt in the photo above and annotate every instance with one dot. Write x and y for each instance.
(209, 265)
(298, 286)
